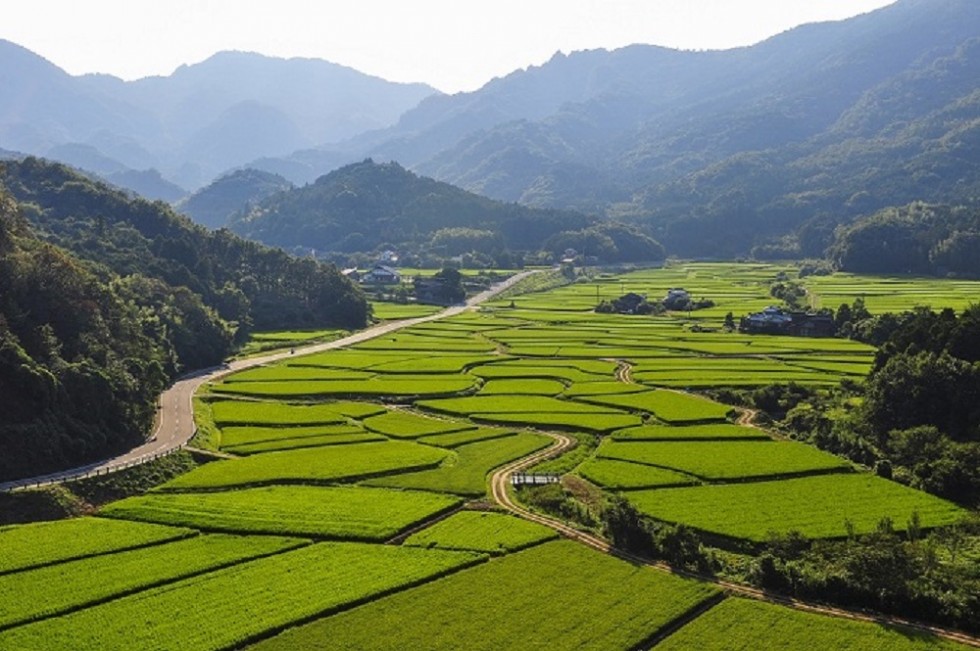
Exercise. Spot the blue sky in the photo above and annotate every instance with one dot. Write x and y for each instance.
(455, 45)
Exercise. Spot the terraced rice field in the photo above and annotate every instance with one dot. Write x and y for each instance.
(350, 470)
(744, 624)
(614, 474)
(891, 293)
(482, 531)
(817, 507)
(56, 589)
(229, 607)
(555, 595)
(34, 545)
(719, 460)
(668, 406)
(337, 512)
(313, 465)
(466, 472)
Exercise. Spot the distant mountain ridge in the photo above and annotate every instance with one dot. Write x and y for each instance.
(196, 123)
(718, 152)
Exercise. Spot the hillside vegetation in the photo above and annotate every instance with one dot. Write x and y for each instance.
(105, 299)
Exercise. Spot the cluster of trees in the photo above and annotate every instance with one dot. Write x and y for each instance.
(105, 299)
(917, 417)
(928, 577)
(917, 238)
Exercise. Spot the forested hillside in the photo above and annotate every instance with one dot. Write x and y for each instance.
(367, 206)
(213, 205)
(105, 298)
(718, 153)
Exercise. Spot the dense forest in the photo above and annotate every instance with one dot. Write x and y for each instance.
(106, 298)
(367, 207)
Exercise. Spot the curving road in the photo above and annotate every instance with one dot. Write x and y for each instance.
(175, 418)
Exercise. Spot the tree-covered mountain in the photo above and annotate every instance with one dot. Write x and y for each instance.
(81, 363)
(105, 298)
(717, 152)
(213, 205)
(369, 206)
(195, 123)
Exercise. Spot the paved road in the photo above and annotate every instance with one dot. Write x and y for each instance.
(175, 419)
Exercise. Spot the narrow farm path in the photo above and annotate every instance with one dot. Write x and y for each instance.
(175, 418)
(500, 482)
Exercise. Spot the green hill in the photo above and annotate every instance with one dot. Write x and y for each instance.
(366, 206)
(105, 299)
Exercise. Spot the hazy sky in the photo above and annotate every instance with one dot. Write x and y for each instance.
(452, 44)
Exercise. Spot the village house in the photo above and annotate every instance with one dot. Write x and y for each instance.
(381, 275)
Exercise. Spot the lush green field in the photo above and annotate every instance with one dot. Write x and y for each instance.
(284, 373)
(33, 545)
(817, 507)
(313, 465)
(559, 595)
(597, 422)
(602, 388)
(891, 293)
(242, 412)
(482, 531)
(466, 472)
(227, 608)
(456, 439)
(505, 370)
(527, 387)
(441, 363)
(409, 425)
(726, 431)
(513, 405)
(725, 459)
(284, 443)
(744, 625)
(398, 385)
(623, 475)
(339, 512)
(670, 406)
(35, 594)
(397, 311)
(236, 436)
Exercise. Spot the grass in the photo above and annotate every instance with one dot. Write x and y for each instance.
(466, 472)
(541, 371)
(482, 531)
(230, 607)
(715, 460)
(692, 432)
(312, 465)
(609, 387)
(559, 595)
(33, 545)
(669, 406)
(339, 512)
(623, 475)
(817, 507)
(48, 591)
(585, 445)
(408, 425)
(743, 624)
(442, 363)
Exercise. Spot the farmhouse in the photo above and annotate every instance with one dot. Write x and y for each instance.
(677, 299)
(775, 321)
(381, 275)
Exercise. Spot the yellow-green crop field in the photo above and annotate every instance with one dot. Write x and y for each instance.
(353, 511)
